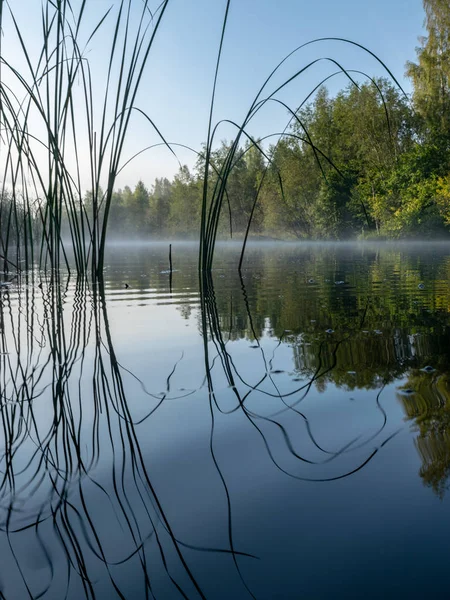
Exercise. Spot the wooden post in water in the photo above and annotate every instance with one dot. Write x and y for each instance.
(170, 268)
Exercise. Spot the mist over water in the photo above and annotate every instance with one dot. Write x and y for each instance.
(164, 441)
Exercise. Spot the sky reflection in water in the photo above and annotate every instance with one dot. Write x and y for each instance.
(309, 457)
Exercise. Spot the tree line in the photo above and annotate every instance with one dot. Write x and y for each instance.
(368, 162)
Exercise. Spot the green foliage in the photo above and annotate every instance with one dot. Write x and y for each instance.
(431, 74)
(184, 208)
(443, 197)
(335, 163)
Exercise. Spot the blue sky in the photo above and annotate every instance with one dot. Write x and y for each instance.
(176, 89)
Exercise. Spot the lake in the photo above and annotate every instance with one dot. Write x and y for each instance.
(283, 433)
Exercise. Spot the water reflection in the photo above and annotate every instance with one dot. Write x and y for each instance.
(356, 320)
(79, 512)
(276, 403)
(140, 423)
(426, 401)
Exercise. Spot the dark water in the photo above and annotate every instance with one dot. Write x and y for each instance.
(284, 435)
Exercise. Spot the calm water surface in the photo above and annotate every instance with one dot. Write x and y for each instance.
(285, 434)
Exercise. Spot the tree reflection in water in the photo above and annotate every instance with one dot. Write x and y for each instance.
(427, 405)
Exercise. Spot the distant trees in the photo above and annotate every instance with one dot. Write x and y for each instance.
(366, 162)
(168, 208)
(336, 162)
(20, 223)
(431, 74)
(184, 207)
(360, 163)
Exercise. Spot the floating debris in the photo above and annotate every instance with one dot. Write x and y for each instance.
(378, 332)
(339, 282)
(311, 281)
(276, 371)
(126, 286)
(313, 320)
(428, 369)
(297, 379)
(408, 391)
(329, 331)
(421, 286)
(254, 346)
(351, 372)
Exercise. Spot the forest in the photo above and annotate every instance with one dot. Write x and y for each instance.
(367, 163)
